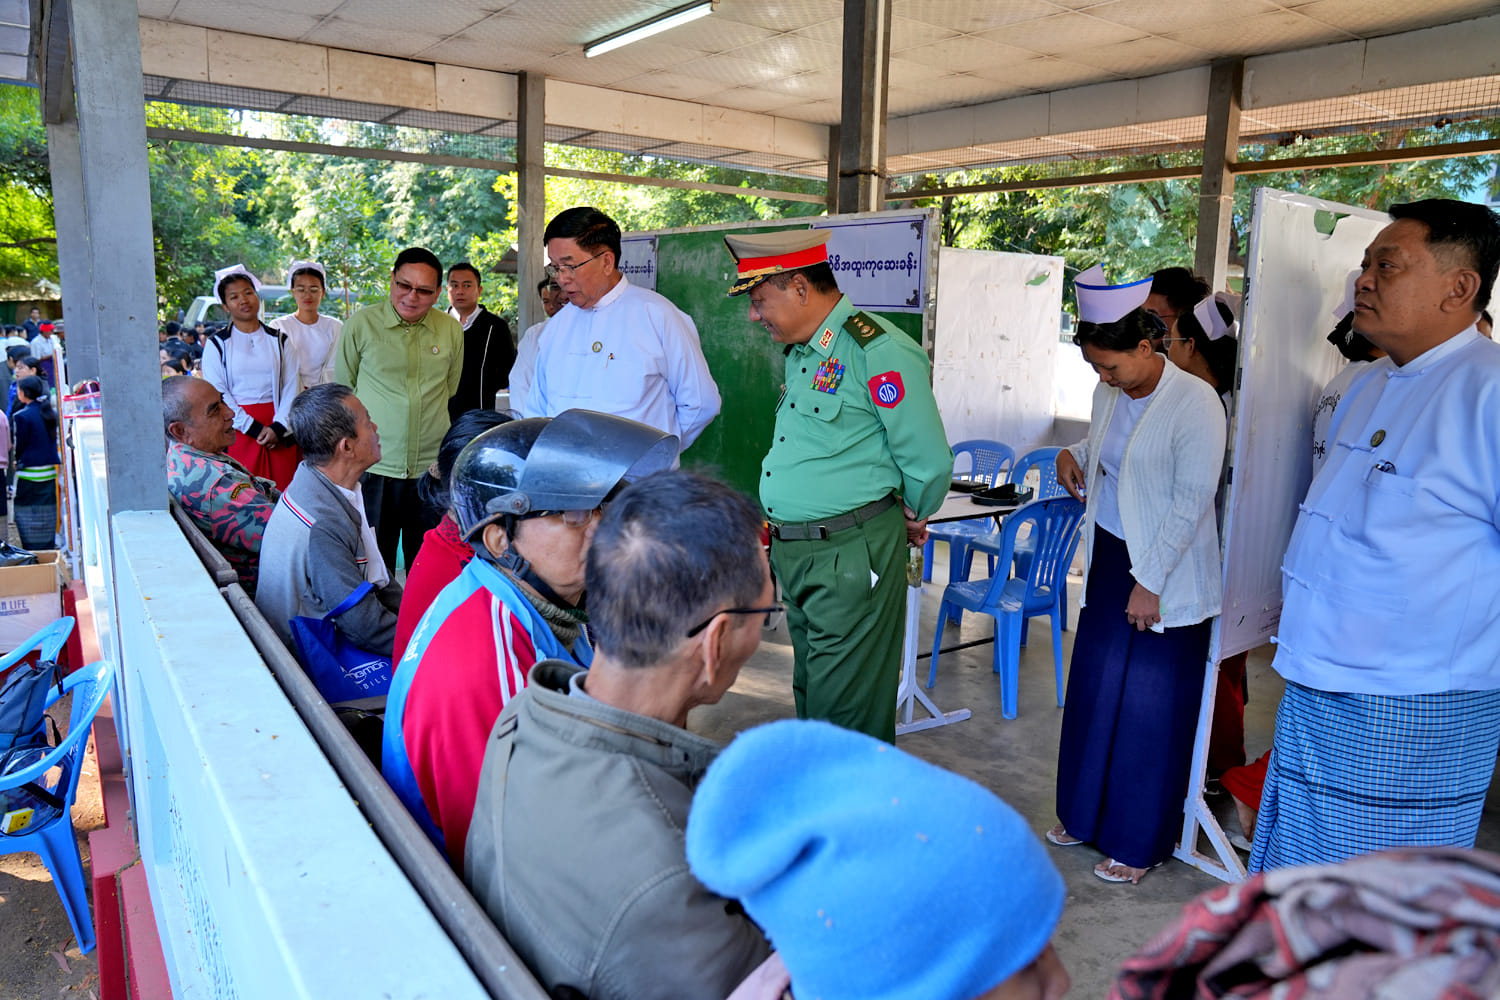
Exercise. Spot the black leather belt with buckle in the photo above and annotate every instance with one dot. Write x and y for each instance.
(812, 531)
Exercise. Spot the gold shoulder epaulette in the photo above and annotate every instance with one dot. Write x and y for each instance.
(863, 328)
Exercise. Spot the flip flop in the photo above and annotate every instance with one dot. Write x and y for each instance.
(1239, 841)
(1056, 841)
(1107, 876)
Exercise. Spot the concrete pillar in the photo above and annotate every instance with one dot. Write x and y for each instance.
(862, 129)
(1221, 141)
(116, 200)
(531, 127)
(833, 169)
(81, 341)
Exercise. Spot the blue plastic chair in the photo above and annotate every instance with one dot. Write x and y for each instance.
(53, 837)
(990, 460)
(1012, 600)
(1044, 460)
(50, 640)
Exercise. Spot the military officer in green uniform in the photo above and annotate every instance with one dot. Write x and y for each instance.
(858, 461)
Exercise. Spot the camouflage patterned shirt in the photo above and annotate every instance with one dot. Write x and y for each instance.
(228, 504)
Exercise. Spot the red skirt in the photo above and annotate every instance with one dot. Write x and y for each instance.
(277, 464)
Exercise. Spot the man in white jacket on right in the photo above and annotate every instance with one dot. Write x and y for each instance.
(1389, 637)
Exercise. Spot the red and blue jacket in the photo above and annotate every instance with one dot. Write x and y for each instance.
(470, 655)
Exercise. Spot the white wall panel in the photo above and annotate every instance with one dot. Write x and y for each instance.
(1296, 279)
(995, 345)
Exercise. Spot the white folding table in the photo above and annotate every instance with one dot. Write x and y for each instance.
(956, 507)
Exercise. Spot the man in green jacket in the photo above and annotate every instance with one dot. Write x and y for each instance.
(858, 442)
(403, 359)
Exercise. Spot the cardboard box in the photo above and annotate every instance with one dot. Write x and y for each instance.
(30, 598)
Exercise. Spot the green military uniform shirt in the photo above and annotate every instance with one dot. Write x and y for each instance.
(856, 421)
(404, 373)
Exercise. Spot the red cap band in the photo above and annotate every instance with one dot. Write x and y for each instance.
(786, 261)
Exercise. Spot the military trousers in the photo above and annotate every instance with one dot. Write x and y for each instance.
(845, 600)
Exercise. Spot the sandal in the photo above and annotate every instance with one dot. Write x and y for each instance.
(1105, 871)
(1059, 837)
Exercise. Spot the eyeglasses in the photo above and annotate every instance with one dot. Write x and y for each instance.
(553, 271)
(768, 612)
(1175, 340)
(418, 290)
(572, 518)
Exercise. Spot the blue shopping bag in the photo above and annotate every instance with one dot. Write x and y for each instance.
(341, 670)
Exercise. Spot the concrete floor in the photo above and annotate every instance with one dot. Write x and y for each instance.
(1102, 923)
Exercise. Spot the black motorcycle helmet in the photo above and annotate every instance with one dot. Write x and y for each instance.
(542, 465)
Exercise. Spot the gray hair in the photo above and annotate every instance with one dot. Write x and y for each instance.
(690, 542)
(320, 420)
(176, 407)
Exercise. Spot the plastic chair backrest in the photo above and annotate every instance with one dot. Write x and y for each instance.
(50, 640)
(89, 687)
(1044, 461)
(989, 460)
(1054, 522)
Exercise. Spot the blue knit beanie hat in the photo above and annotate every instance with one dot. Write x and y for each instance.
(876, 875)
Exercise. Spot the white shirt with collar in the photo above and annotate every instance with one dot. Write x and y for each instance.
(633, 354)
(1388, 581)
(465, 323)
(375, 569)
(524, 370)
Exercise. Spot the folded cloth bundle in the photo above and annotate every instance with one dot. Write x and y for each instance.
(1414, 924)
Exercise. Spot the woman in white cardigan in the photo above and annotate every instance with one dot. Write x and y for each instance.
(1149, 469)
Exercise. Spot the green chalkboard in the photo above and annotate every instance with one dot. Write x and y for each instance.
(694, 270)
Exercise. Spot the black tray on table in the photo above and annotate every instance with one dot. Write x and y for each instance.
(1008, 495)
(958, 485)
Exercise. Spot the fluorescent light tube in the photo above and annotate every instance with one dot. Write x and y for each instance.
(654, 26)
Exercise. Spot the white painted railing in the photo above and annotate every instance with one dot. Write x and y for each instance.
(265, 877)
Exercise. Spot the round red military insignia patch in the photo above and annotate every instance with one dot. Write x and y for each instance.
(887, 389)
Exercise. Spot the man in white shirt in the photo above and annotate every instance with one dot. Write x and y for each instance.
(524, 370)
(1390, 631)
(616, 347)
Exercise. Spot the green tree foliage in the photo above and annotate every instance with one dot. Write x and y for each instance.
(641, 207)
(28, 240)
(203, 212)
(1137, 228)
(215, 205)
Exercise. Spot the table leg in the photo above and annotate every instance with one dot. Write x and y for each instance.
(910, 692)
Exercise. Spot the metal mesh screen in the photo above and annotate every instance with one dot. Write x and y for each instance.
(343, 122)
(335, 122)
(1432, 114)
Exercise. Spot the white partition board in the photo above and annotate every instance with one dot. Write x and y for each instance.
(1295, 281)
(995, 345)
(1301, 252)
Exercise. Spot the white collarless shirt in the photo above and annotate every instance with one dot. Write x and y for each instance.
(1386, 582)
(315, 344)
(633, 354)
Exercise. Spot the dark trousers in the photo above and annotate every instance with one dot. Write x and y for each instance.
(1126, 745)
(847, 630)
(395, 512)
